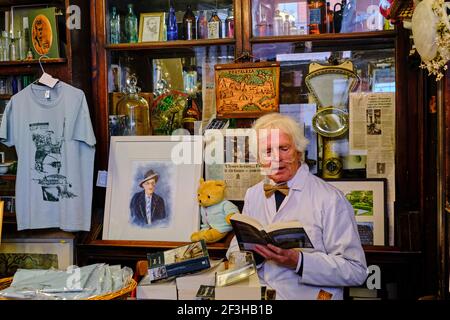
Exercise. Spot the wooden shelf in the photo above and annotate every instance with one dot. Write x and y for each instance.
(32, 62)
(9, 177)
(355, 36)
(5, 96)
(169, 44)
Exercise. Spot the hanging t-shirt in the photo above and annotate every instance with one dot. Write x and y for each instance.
(55, 144)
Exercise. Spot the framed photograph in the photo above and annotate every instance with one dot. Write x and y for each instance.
(44, 32)
(35, 253)
(247, 90)
(152, 188)
(151, 26)
(368, 198)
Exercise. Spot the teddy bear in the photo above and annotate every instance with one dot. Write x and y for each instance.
(215, 211)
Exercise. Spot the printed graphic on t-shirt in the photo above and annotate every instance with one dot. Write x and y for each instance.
(48, 162)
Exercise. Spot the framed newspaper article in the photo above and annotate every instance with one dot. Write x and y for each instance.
(247, 90)
(368, 199)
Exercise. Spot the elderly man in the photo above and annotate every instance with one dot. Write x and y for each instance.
(146, 206)
(288, 193)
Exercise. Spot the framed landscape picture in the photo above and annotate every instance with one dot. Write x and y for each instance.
(247, 90)
(368, 199)
(152, 188)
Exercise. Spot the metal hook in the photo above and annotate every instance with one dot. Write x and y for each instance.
(40, 63)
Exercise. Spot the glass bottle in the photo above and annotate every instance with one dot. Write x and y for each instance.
(277, 24)
(230, 25)
(189, 32)
(26, 37)
(5, 40)
(286, 25)
(190, 114)
(293, 30)
(19, 46)
(202, 28)
(214, 26)
(131, 31)
(133, 110)
(328, 22)
(172, 27)
(114, 26)
(337, 16)
(316, 16)
(13, 53)
(262, 27)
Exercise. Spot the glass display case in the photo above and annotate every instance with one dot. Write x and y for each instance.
(173, 60)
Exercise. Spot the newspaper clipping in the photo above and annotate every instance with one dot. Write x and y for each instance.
(372, 133)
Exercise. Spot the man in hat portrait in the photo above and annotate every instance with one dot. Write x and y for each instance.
(146, 206)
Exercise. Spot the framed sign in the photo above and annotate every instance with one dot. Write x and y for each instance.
(152, 188)
(247, 90)
(368, 199)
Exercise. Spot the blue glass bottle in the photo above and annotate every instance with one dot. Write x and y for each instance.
(172, 27)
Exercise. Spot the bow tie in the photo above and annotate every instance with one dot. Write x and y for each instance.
(270, 189)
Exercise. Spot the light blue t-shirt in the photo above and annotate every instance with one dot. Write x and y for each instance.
(55, 144)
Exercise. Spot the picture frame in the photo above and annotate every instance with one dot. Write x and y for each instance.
(151, 26)
(175, 165)
(369, 200)
(44, 39)
(247, 90)
(56, 252)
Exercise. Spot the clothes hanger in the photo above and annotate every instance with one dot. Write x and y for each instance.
(45, 78)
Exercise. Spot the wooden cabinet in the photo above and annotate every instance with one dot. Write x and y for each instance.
(255, 34)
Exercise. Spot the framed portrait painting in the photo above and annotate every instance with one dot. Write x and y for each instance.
(152, 188)
(151, 26)
(368, 199)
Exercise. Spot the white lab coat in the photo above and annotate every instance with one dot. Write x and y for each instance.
(337, 259)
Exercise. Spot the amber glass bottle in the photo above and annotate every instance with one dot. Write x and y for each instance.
(134, 111)
(316, 16)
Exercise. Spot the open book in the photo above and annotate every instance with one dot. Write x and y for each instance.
(286, 235)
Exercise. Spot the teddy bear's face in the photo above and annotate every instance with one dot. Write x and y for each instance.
(210, 192)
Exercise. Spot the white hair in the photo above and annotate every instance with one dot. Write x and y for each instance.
(285, 124)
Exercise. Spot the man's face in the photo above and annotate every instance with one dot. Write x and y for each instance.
(149, 186)
(278, 156)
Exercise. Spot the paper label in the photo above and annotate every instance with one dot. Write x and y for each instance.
(48, 80)
(102, 179)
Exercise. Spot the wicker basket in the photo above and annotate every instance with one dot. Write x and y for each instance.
(121, 294)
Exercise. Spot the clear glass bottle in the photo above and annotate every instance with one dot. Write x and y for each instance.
(189, 27)
(286, 25)
(6, 41)
(131, 25)
(262, 27)
(19, 46)
(214, 26)
(13, 52)
(134, 110)
(172, 27)
(277, 24)
(293, 30)
(26, 37)
(202, 25)
(114, 26)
